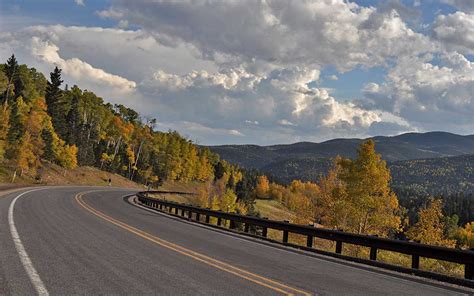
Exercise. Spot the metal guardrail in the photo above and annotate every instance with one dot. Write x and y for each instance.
(415, 250)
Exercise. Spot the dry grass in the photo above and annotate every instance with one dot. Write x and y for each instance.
(51, 174)
(273, 210)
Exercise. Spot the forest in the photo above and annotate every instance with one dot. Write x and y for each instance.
(42, 120)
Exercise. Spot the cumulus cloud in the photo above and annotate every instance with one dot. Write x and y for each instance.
(76, 68)
(427, 95)
(283, 101)
(278, 33)
(455, 31)
(79, 2)
(250, 71)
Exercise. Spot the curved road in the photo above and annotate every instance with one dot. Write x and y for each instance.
(88, 240)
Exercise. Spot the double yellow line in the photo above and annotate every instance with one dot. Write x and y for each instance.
(252, 277)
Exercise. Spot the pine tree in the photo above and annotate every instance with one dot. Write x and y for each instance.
(73, 120)
(11, 71)
(54, 100)
(17, 128)
(47, 136)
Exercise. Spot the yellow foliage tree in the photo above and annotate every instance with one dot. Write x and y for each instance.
(24, 158)
(430, 228)
(4, 126)
(68, 156)
(228, 201)
(263, 186)
(465, 235)
(64, 154)
(373, 206)
(276, 191)
(333, 206)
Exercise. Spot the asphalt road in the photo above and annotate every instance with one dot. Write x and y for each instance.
(62, 241)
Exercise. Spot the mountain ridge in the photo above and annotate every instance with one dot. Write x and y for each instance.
(408, 146)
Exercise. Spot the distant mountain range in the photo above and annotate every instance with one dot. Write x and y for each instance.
(434, 160)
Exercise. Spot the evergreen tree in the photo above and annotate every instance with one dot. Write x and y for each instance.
(73, 120)
(17, 128)
(219, 170)
(11, 71)
(47, 136)
(11, 67)
(245, 189)
(54, 100)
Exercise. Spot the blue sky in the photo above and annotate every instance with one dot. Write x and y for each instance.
(292, 71)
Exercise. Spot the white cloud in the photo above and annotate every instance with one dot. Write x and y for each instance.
(280, 102)
(464, 5)
(249, 71)
(110, 14)
(455, 31)
(76, 68)
(251, 122)
(429, 96)
(278, 33)
(79, 2)
(285, 122)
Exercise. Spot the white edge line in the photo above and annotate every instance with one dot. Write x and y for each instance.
(25, 259)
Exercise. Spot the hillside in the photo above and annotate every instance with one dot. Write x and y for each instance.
(51, 174)
(43, 121)
(429, 176)
(403, 147)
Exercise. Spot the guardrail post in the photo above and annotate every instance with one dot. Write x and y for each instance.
(198, 217)
(247, 227)
(161, 207)
(373, 253)
(285, 233)
(285, 236)
(231, 224)
(468, 271)
(208, 219)
(264, 229)
(219, 220)
(182, 212)
(309, 239)
(415, 261)
(190, 215)
(176, 211)
(338, 247)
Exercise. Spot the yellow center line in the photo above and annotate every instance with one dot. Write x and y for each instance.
(255, 278)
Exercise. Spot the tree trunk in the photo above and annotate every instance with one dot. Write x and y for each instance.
(138, 157)
(14, 176)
